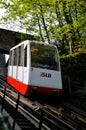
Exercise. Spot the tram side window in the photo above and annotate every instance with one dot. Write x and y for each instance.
(20, 56)
(25, 56)
(15, 57)
(11, 59)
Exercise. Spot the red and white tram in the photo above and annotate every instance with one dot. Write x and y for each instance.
(35, 67)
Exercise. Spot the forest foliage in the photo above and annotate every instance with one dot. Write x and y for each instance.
(60, 22)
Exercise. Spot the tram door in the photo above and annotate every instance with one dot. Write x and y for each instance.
(14, 65)
(25, 68)
(20, 62)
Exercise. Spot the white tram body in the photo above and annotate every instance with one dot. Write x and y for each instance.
(35, 67)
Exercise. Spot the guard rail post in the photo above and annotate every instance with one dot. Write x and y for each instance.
(41, 119)
(3, 98)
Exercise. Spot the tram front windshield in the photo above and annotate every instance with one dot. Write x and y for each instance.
(44, 56)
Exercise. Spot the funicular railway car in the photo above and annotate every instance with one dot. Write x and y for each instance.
(34, 67)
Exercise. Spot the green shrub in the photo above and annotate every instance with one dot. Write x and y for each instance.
(74, 67)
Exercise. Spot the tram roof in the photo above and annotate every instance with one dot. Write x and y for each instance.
(29, 41)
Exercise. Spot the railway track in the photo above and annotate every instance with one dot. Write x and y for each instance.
(33, 115)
